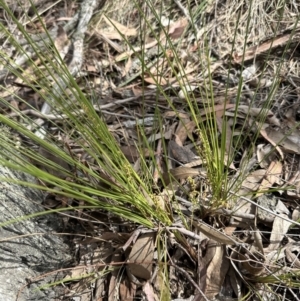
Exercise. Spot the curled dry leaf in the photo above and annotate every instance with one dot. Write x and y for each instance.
(252, 263)
(216, 266)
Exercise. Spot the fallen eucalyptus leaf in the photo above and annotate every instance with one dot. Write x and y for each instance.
(214, 234)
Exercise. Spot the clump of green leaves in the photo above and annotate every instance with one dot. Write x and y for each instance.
(106, 180)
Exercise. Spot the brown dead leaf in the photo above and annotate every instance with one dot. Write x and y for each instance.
(149, 292)
(217, 268)
(178, 81)
(108, 38)
(258, 244)
(155, 71)
(179, 173)
(269, 138)
(279, 229)
(100, 259)
(113, 288)
(274, 172)
(213, 233)
(177, 29)
(289, 143)
(185, 129)
(272, 176)
(174, 114)
(140, 259)
(127, 289)
(137, 91)
(293, 180)
(91, 68)
(252, 182)
(273, 120)
(127, 67)
(155, 80)
(194, 163)
(174, 31)
(217, 108)
(264, 47)
(181, 153)
(10, 90)
(119, 238)
(254, 112)
(290, 119)
(132, 153)
(120, 29)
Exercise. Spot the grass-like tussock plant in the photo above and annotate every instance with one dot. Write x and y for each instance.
(175, 123)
